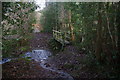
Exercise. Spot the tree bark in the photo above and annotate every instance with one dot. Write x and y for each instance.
(70, 26)
(118, 32)
(98, 50)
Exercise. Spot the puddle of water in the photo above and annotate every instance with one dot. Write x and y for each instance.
(28, 54)
(41, 55)
(64, 75)
(4, 60)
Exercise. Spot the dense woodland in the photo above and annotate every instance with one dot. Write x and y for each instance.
(93, 28)
(16, 26)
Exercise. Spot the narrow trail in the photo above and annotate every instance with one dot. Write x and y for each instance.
(37, 25)
(40, 41)
(39, 45)
(43, 66)
(37, 67)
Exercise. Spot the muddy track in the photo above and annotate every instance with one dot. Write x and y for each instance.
(40, 41)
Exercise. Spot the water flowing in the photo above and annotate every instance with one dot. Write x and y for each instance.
(41, 56)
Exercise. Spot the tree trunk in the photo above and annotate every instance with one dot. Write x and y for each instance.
(99, 37)
(110, 25)
(118, 33)
(70, 26)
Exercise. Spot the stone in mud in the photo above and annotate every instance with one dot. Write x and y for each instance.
(47, 65)
(59, 69)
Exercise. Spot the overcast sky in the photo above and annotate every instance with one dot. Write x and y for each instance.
(41, 3)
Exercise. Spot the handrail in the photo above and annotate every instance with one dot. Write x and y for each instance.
(57, 31)
(60, 31)
(61, 36)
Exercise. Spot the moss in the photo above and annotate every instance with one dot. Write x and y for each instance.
(69, 66)
(55, 46)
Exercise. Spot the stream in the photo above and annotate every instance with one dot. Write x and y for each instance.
(41, 56)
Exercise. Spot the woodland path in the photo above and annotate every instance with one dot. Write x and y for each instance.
(40, 41)
(65, 61)
(23, 69)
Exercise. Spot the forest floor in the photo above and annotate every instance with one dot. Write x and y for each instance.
(71, 60)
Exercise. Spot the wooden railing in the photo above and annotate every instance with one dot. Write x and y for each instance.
(62, 36)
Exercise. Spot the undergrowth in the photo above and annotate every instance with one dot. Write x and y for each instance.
(55, 46)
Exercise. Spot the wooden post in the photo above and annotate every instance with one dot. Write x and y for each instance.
(70, 26)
